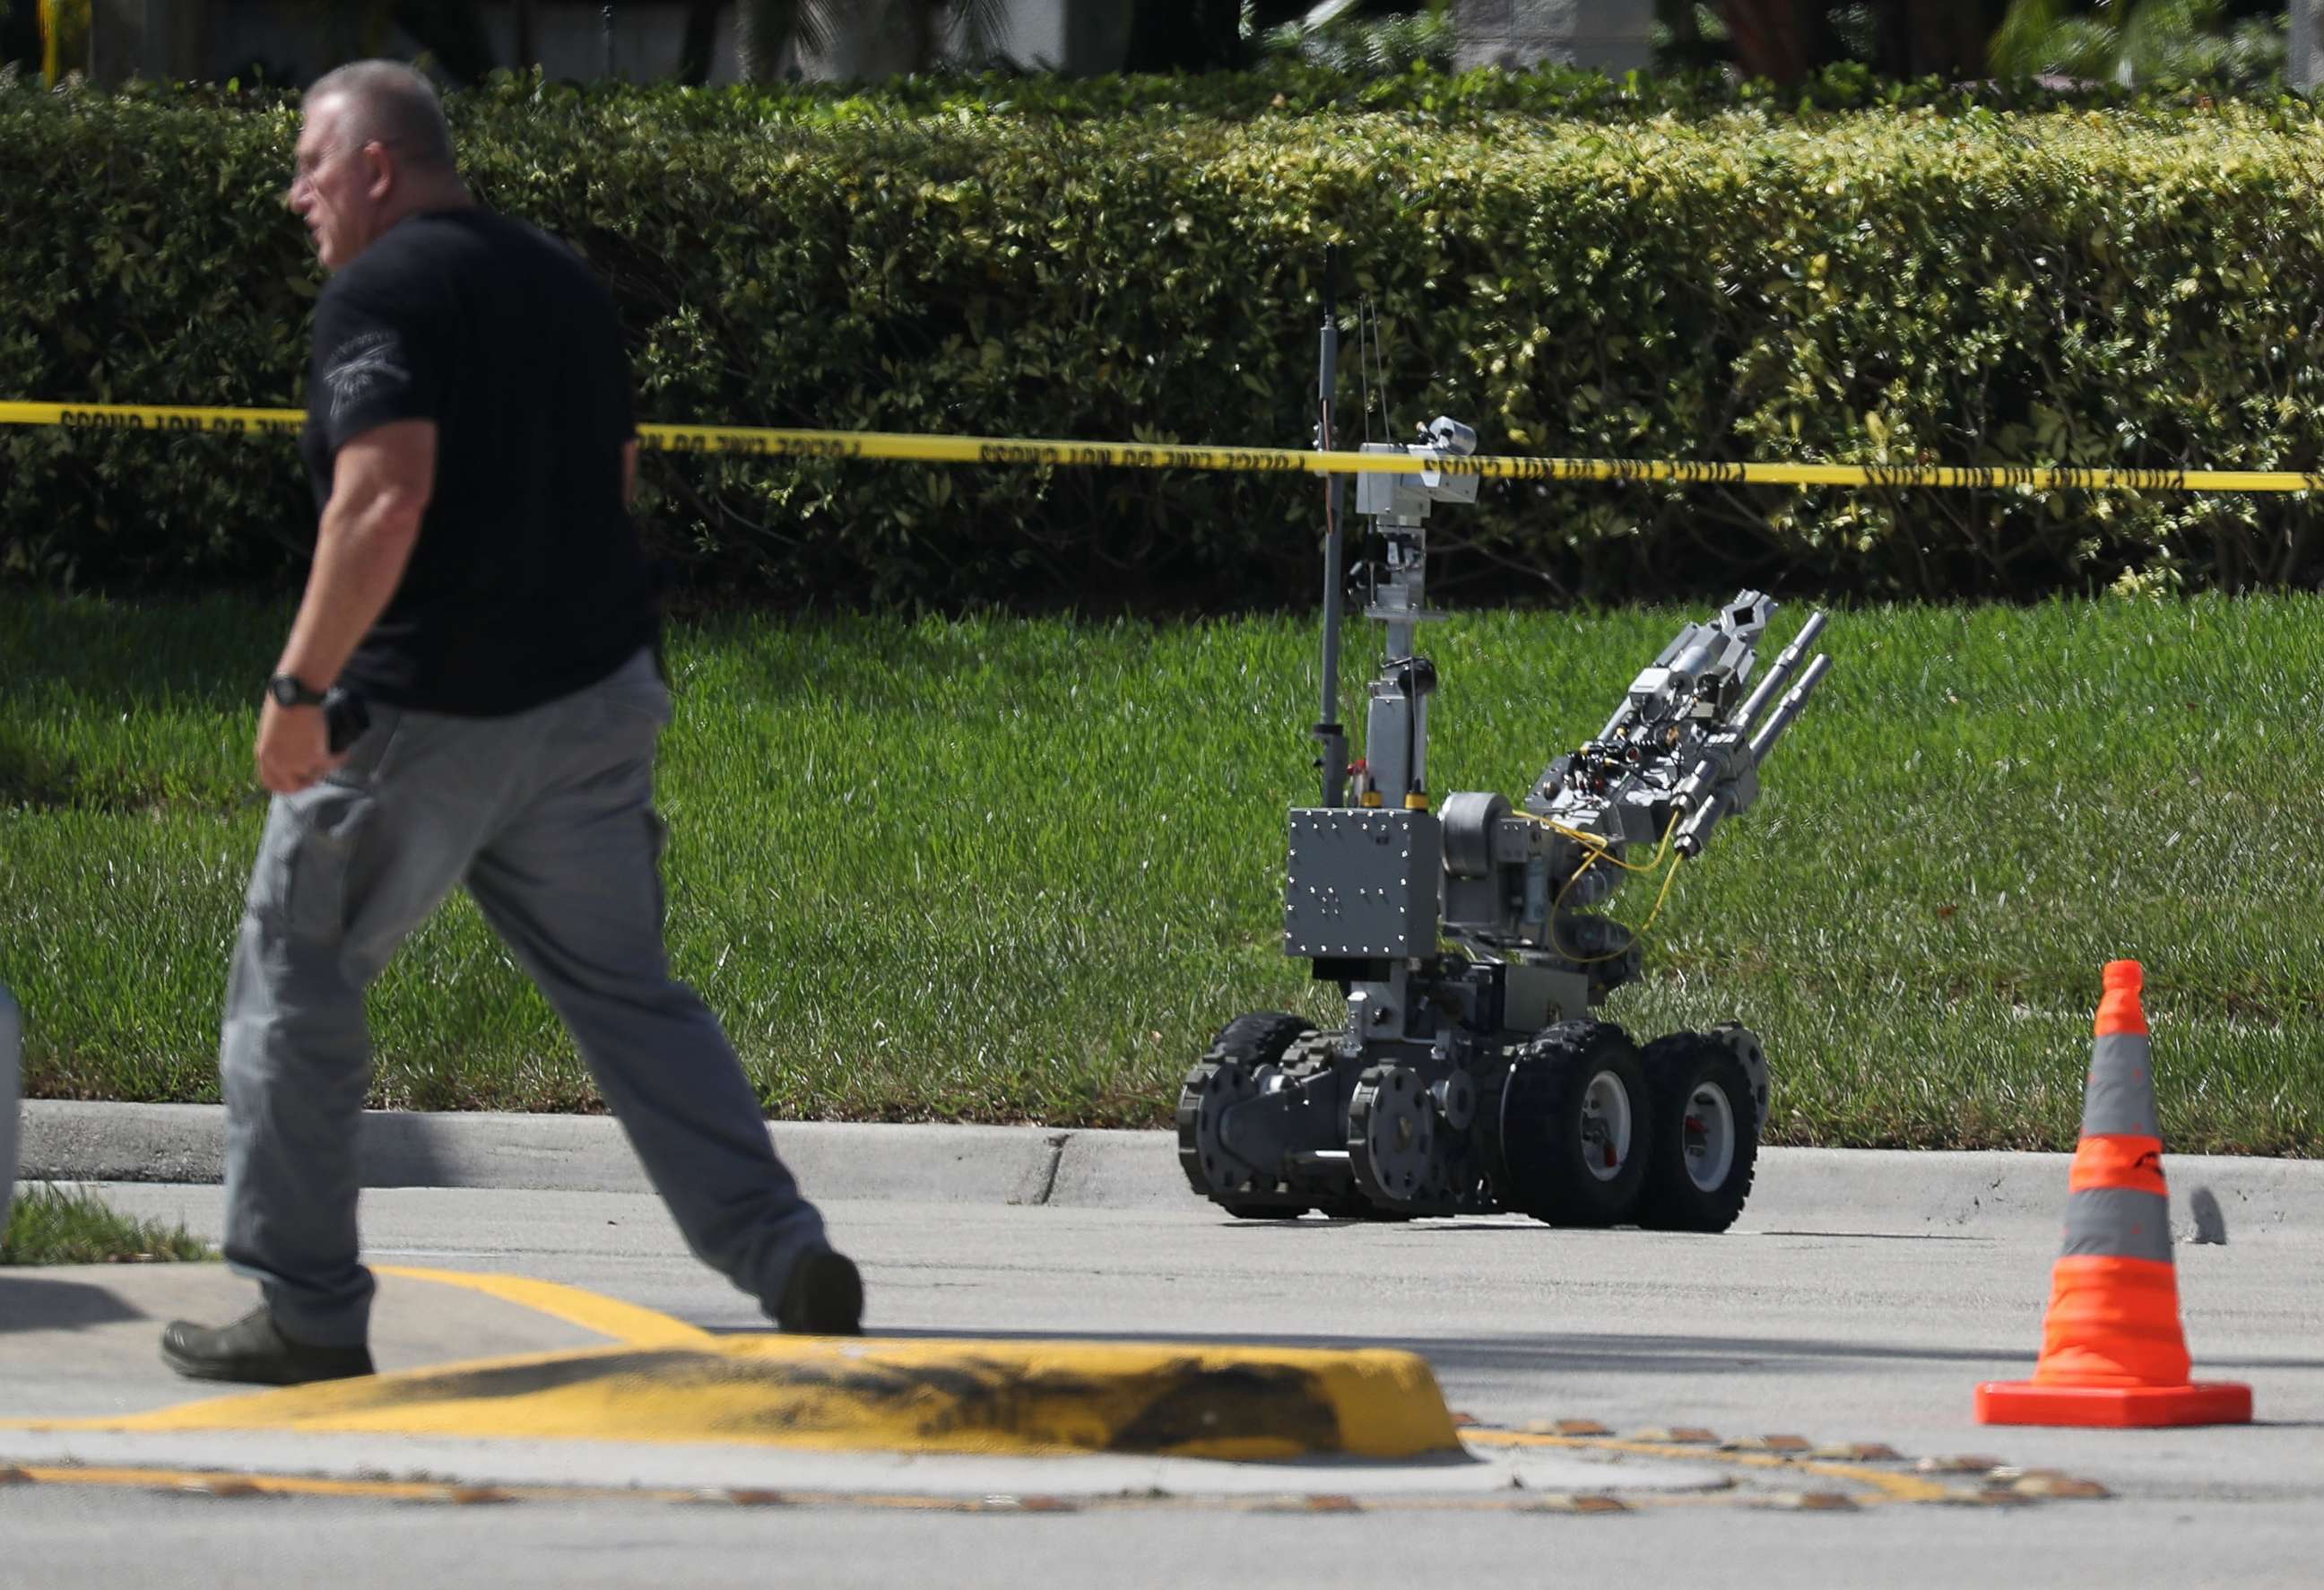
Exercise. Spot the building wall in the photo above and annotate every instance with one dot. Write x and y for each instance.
(292, 41)
(1612, 35)
(1080, 36)
(296, 40)
(569, 39)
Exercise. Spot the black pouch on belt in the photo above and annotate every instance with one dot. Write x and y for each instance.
(345, 718)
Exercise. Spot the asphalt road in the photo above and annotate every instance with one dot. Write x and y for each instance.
(1844, 1311)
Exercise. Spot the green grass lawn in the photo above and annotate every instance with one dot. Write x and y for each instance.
(1000, 870)
(73, 1226)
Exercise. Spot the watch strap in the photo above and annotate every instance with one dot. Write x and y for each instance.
(296, 695)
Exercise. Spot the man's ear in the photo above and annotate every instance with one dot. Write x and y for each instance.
(381, 169)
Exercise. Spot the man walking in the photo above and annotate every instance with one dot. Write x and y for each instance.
(478, 583)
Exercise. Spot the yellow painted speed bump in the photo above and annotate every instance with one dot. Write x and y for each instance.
(948, 1396)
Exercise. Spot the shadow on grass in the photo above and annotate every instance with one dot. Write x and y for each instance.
(879, 663)
(82, 667)
(202, 651)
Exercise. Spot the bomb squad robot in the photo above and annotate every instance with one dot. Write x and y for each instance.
(1472, 1075)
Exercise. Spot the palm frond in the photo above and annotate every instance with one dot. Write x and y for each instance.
(777, 32)
(978, 28)
(2167, 39)
(2020, 48)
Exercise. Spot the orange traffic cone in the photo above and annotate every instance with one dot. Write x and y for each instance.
(2112, 1350)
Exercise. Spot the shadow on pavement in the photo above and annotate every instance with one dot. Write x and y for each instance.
(1670, 1354)
(33, 1302)
(401, 1148)
(1498, 1226)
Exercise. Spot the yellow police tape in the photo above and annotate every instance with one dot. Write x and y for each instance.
(764, 442)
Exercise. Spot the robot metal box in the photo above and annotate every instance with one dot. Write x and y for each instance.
(1362, 880)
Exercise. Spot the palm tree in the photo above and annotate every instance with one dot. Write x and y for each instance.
(453, 31)
(1773, 38)
(64, 36)
(862, 38)
(700, 41)
(2130, 42)
(1197, 35)
(1786, 39)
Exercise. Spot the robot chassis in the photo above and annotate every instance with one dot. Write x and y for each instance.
(1478, 1081)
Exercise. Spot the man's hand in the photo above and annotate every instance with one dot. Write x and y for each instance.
(294, 747)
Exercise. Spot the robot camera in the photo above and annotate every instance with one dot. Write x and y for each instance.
(1448, 435)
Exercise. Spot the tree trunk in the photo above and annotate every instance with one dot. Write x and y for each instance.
(695, 52)
(1944, 39)
(1185, 36)
(1773, 38)
(771, 36)
(868, 40)
(451, 31)
(20, 35)
(528, 35)
(918, 24)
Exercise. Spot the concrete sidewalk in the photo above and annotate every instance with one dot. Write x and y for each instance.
(1860, 1336)
(1856, 1304)
(585, 1390)
(80, 1341)
(492, 1381)
(1803, 1189)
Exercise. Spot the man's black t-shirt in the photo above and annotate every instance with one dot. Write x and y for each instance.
(527, 581)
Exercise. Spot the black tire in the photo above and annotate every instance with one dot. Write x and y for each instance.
(1189, 1122)
(1260, 1038)
(1701, 1095)
(1549, 1168)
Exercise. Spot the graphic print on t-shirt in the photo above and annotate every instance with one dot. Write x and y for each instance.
(359, 367)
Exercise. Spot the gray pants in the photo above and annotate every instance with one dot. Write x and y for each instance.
(547, 818)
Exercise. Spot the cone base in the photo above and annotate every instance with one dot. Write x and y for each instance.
(2113, 1406)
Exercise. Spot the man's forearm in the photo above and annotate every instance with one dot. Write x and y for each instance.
(360, 554)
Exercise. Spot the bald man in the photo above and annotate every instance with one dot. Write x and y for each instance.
(478, 584)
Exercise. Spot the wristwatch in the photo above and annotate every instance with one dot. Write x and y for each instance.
(288, 691)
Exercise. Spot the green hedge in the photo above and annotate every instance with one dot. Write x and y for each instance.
(2132, 286)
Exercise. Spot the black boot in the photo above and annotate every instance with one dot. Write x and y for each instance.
(254, 1349)
(822, 1298)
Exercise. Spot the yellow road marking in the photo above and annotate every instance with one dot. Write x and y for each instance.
(608, 1317)
(227, 1482)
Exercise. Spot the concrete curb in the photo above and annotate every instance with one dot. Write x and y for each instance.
(1806, 1191)
(11, 1034)
(75, 1141)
